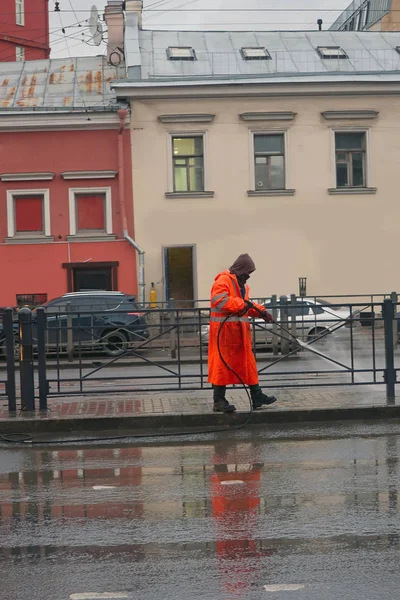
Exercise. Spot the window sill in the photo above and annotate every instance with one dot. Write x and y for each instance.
(95, 237)
(353, 191)
(252, 193)
(189, 194)
(30, 240)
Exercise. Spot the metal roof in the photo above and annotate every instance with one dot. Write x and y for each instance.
(61, 84)
(376, 10)
(293, 53)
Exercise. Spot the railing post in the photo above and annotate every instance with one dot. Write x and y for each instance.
(390, 371)
(41, 348)
(293, 320)
(284, 309)
(70, 336)
(172, 323)
(8, 328)
(26, 360)
(394, 298)
(274, 312)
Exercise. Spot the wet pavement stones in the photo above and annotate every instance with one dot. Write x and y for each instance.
(190, 409)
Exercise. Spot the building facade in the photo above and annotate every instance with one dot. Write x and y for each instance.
(282, 145)
(369, 15)
(66, 209)
(24, 30)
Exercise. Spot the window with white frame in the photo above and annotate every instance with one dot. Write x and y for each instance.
(181, 53)
(331, 52)
(19, 53)
(350, 153)
(90, 211)
(28, 213)
(255, 53)
(20, 12)
(359, 19)
(188, 163)
(269, 161)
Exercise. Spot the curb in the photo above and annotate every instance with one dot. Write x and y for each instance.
(43, 424)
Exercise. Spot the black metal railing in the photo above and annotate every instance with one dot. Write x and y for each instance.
(312, 343)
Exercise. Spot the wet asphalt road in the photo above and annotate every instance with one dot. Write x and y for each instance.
(210, 519)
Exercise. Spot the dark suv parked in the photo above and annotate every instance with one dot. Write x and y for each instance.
(106, 321)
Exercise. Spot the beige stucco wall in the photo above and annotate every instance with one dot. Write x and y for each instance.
(343, 244)
(391, 21)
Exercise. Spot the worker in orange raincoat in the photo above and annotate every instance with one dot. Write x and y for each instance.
(230, 296)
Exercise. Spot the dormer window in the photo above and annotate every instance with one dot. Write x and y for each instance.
(255, 53)
(181, 53)
(331, 52)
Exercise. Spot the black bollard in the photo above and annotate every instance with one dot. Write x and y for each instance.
(8, 329)
(26, 360)
(388, 311)
(41, 319)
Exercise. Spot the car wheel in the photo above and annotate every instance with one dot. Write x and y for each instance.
(316, 333)
(114, 343)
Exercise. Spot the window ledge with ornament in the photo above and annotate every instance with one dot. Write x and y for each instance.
(91, 237)
(252, 193)
(29, 239)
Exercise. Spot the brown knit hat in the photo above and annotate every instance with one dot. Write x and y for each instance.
(243, 265)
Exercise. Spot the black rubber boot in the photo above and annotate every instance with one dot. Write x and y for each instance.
(259, 398)
(221, 404)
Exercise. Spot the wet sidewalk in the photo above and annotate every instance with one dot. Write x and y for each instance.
(186, 409)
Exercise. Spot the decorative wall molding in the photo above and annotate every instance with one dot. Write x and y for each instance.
(27, 176)
(182, 118)
(268, 116)
(331, 115)
(29, 240)
(253, 193)
(80, 238)
(50, 121)
(89, 175)
(189, 195)
(351, 191)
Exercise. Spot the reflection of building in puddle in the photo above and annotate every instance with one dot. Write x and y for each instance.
(199, 483)
(44, 494)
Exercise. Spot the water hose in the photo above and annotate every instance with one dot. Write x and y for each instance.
(19, 439)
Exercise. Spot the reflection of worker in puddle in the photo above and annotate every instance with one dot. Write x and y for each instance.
(235, 493)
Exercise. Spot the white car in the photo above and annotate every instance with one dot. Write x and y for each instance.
(313, 319)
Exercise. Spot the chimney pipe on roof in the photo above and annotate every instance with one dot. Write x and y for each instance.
(135, 6)
(114, 18)
(319, 23)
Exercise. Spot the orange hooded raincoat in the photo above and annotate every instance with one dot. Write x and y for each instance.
(235, 337)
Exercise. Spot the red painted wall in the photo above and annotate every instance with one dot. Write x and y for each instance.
(33, 35)
(37, 268)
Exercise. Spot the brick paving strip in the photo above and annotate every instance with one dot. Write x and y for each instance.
(194, 409)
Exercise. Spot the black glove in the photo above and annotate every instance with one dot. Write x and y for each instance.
(268, 318)
(249, 305)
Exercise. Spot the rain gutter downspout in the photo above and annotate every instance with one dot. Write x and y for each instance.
(123, 114)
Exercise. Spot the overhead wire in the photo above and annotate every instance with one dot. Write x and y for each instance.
(159, 2)
(286, 10)
(6, 55)
(44, 36)
(73, 10)
(163, 12)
